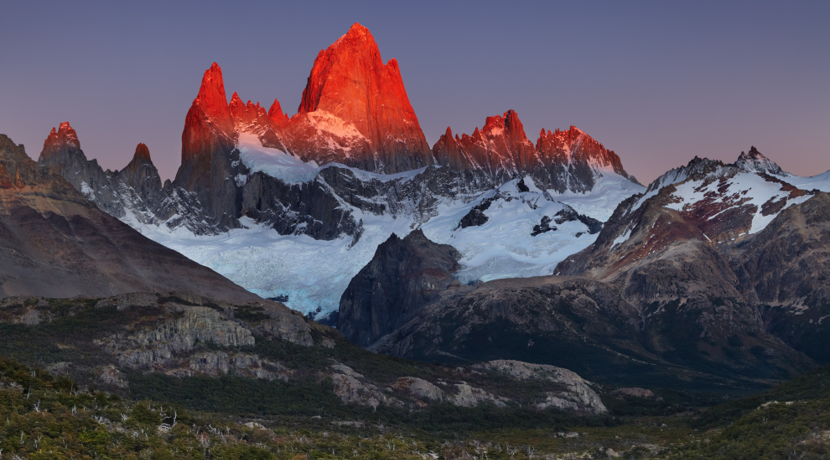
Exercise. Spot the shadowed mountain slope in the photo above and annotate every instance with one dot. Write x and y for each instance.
(56, 243)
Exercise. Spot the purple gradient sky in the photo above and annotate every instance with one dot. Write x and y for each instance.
(658, 82)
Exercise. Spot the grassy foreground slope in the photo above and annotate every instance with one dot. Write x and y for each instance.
(790, 421)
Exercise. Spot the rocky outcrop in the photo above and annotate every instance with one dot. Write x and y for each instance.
(251, 118)
(322, 208)
(159, 346)
(571, 160)
(142, 176)
(501, 148)
(457, 394)
(355, 111)
(110, 375)
(754, 161)
(476, 217)
(285, 326)
(419, 388)
(135, 194)
(783, 271)
(685, 279)
(62, 154)
(404, 276)
(468, 396)
(353, 389)
(56, 243)
(217, 363)
(634, 392)
(588, 326)
(575, 392)
(277, 117)
(194, 325)
(177, 345)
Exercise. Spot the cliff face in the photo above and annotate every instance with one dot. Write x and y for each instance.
(134, 194)
(142, 176)
(784, 271)
(560, 160)
(239, 160)
(360, 104)
(208, 139)
(63, 155)
(404, 276)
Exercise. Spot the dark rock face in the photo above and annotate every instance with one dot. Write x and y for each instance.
(404, 276)
(543, 227)
(476, 216)
(208, 139)
(756, 162)
(136, 189)
(314, 208)
(591, 327)
(566, 215)
(56, 243)
(569, 215)
(354, 111)
(784, 271)
(308, 208)
(63, 155)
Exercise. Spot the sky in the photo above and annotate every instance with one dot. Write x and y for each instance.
(657, 82)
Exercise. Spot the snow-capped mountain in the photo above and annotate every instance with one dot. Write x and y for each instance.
(755, 161)
(714, 271)
(705, 203)
(283, 248)
(296, 206)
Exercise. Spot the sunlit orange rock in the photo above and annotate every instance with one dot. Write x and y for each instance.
(208, 125)
(141, 152)
(355, 110)
(560, 160)
(575, 146)
(277, 117)
(501, 148)
(208, 139)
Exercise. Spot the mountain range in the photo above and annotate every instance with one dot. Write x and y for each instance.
(484, 246)
(715, 275)
(348, 170)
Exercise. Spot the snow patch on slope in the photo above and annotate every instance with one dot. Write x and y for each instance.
(273, 162)
(750, 187)
(610, 189)
(291, 169)
(819, 182)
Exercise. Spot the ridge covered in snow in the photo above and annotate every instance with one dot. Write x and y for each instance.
(313, 273)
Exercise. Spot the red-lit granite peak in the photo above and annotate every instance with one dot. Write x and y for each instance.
(61, 139)
(209, 119)
(141, 152)
(276, 115)
(351, 89)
